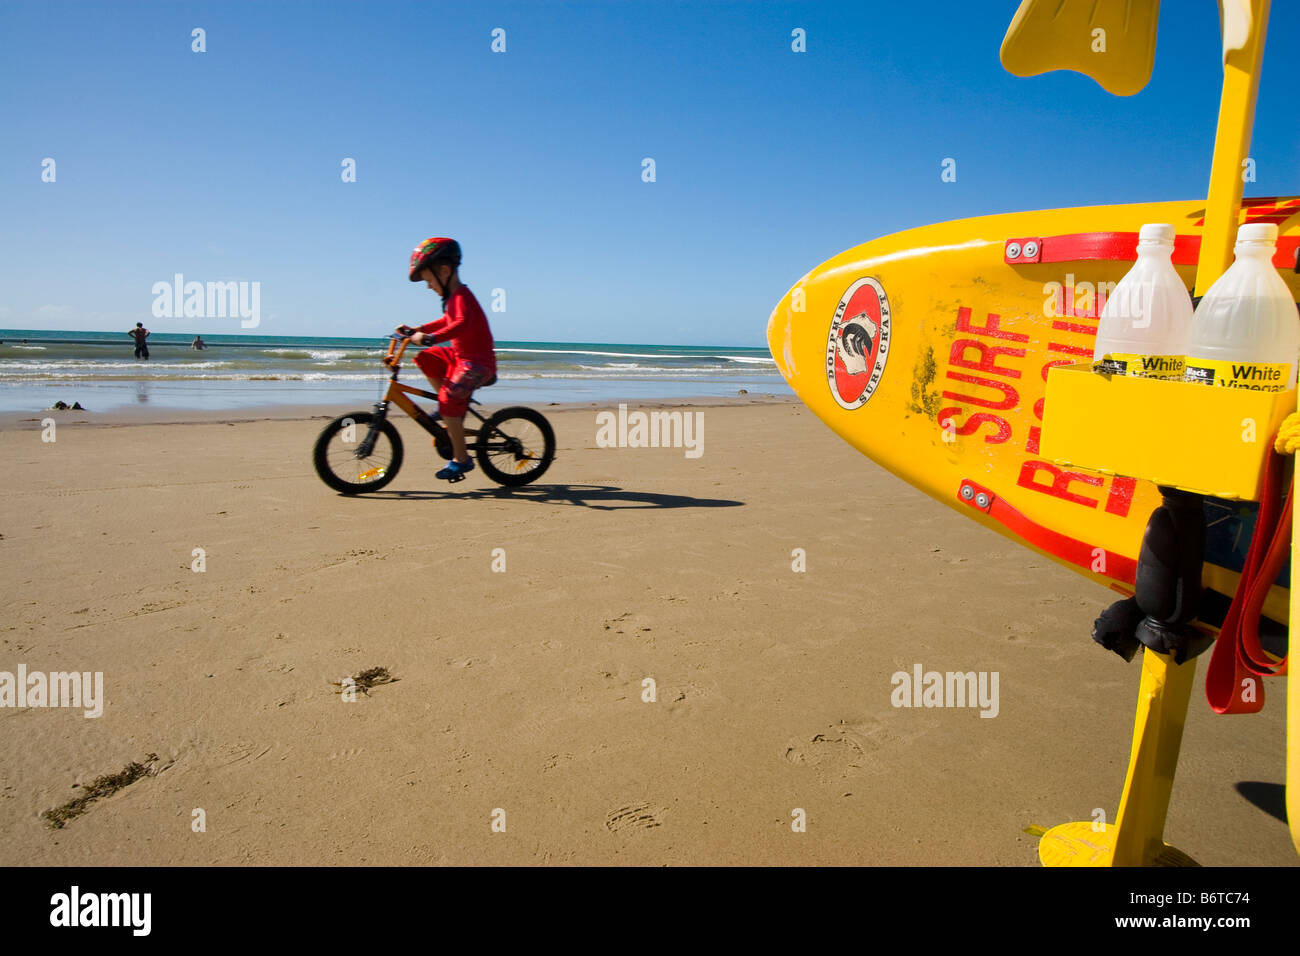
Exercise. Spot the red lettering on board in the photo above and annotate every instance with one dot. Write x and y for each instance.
(1069, 349)
(1060, 486)
(1262, 210)
(971, 427)
(1010, 397)
(988, 360)
(1120, 498)
(1035, 436)
(1075, 327)
(990, 329)
(1048, 366)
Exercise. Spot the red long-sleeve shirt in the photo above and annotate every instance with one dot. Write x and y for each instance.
(464, 326)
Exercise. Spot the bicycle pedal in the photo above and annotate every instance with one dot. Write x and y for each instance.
(456, 478)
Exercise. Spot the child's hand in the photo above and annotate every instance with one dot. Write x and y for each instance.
(405, 330)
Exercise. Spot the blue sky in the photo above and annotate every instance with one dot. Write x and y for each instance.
(226, 164)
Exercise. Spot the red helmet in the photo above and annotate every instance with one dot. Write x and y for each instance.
(437, 249)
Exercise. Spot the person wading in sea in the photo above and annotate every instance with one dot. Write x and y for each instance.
(140, 334)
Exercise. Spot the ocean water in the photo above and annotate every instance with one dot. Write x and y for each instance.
(99, 370)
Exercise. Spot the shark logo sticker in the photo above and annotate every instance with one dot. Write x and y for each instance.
(858, 344)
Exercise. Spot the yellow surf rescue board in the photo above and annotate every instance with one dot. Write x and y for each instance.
(928, 351)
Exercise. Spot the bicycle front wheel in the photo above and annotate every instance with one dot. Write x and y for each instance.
(335, 454)
(515, 446)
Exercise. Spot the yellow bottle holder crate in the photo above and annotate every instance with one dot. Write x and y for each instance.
(1200, 438)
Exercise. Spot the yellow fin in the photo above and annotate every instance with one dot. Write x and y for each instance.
(1111, 41)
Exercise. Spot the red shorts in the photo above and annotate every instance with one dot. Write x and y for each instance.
(459, 378)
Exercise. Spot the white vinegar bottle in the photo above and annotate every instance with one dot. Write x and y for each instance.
(1246, 332)
(1145, 323)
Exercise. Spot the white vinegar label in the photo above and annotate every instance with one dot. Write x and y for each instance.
(1169, 367)
(1256, 376)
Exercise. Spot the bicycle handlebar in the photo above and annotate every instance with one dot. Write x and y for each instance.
(394, 360)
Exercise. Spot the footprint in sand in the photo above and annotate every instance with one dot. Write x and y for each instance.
(617, 624)
(680, 696)
(842, 750)
(1026, 636)
(639, 816)
(228, 754)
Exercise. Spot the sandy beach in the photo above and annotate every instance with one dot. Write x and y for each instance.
(522, 690)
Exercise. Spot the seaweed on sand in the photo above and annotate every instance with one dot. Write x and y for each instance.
(367, 679)
(103, 786)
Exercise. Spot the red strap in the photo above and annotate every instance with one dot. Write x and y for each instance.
(1069, 549)
(1122, 247)
(1256, 659)
(1113, 246)
(1229, 671)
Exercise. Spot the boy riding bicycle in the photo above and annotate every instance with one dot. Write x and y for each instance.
(468, 360)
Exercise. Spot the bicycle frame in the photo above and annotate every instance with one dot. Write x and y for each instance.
(398, 393)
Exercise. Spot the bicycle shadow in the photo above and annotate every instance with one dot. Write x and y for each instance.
(599, 497)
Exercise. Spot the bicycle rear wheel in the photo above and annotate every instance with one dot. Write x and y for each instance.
(335, 454)
(515, 446)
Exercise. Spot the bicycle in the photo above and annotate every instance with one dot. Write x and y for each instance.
(514, 446)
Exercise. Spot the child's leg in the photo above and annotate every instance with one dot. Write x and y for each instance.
(456, 432)
(453, 402)
(435, 362)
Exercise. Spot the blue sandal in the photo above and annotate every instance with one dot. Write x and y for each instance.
(456, 471)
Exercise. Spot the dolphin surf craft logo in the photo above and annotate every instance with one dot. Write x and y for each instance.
(858, 344)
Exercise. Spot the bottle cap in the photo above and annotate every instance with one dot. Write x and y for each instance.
(1258, 232)
(1156, 232)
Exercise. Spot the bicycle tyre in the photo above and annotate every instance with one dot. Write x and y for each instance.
(329, 470)
(503, 455)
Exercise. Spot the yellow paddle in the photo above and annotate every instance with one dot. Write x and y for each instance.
(1112, 41)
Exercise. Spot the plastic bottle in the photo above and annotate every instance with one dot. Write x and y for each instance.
(1144, 326)
(1246, 332)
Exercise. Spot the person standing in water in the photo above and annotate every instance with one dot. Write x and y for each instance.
(198, 344)
(140, 334)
